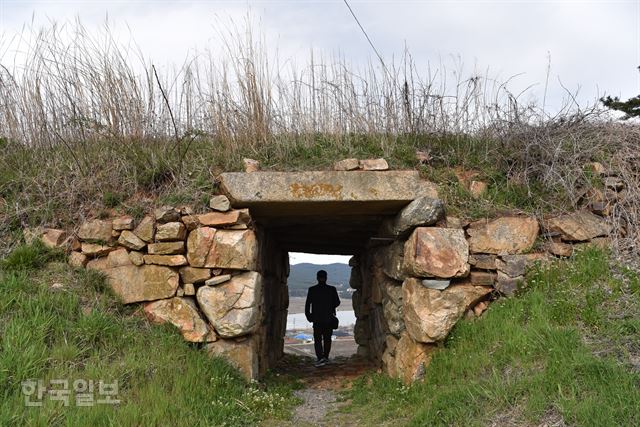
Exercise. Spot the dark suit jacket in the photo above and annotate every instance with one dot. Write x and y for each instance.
(321, 303)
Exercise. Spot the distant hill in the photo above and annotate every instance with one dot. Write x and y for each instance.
(303, 275)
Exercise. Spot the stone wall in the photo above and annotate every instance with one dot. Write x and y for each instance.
(221, 278)
(410, 293)
(203, 273)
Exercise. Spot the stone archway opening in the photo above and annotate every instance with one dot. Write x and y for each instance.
(302, 275)
(344, 213)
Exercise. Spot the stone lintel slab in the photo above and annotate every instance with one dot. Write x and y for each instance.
(300, 193)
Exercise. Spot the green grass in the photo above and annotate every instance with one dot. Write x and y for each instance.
(80, 332)
(60, 187)
(563, 350)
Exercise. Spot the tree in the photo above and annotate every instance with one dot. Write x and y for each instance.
(630, 107)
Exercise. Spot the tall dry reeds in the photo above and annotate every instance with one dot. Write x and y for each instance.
(67, 87)
(70, 85)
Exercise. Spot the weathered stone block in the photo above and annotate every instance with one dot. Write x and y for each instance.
(436, 252)
(430, 314)
(94, 250)
(507, 285)
(95, 231)
(512, 265)
(194, 274)
(199, 244)
(220, 203)
(220, 219)
(506, 235)
(412, 358)
(146, 230)
(136, 258)
(578, 226)
(191, 222)
(166, 248)
(171, 231)
(233, 249)
(53, 238)
(144, 283)
(346, 165)
(374, 164)
(166, 214)
(78, 259)
(423, 211)
(243, 355)
(482, 278)
(168, 260)
(233, 307)
(118, 258)
(184, 315)
(131, 241)
(124, 222)
(216, 280)
(482, 261)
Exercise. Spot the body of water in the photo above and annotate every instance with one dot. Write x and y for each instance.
(299, 321)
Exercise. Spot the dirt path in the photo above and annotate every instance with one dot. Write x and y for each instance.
(321, 389)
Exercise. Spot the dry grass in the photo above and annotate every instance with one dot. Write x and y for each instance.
(87, 123)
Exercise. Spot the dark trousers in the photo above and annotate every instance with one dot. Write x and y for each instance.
(322, 340)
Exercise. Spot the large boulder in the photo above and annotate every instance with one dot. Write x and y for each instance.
(423, 211)
(241, 354)
(430, 314)
(411, 359)
(506, 235)
(436, 252)
(133, 283)
(233, 249)
(233, 307)
(96, 231)
(183, 314)
(578, 226)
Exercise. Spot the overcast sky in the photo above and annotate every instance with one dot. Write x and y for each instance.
(593, 45)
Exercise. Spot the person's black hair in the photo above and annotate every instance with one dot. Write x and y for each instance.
(321, 275)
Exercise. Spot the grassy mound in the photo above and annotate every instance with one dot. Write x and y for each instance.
(77, 331)
(566, 350)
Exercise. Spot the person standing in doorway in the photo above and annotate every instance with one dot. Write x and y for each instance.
(320, 309)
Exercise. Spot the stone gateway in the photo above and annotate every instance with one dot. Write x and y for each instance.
(221, 277)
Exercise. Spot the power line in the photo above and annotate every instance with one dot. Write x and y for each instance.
(367, 37)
